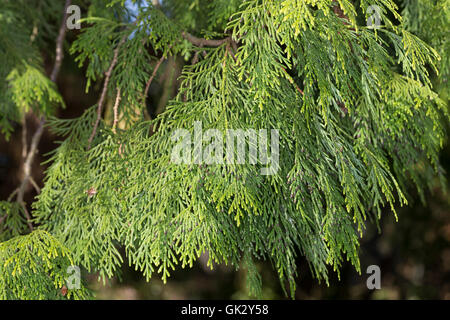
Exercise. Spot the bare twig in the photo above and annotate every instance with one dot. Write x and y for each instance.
(299, 90)
(24, 138)
(234, 44)
(27, 168)
(147, 86)
(200, 42)
(11, 196)
(27, 215)
(195, 59)
(149, 82)
(36, 187)
(116, 110)
(59, 44)
(292, 81)
(169, 84)
(105, 89)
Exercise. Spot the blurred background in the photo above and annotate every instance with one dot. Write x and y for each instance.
(413, 254)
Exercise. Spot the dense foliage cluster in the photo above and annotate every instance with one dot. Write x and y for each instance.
(358, 118)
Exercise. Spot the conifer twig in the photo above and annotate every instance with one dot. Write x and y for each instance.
(201, 42)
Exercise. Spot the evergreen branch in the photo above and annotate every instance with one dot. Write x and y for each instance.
(201, 42)
(39, 131)
(195, 59)
(335, 167)
(105, 89)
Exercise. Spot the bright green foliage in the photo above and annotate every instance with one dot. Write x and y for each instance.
(34, 266)
(31, 87)
(358, 121)
(14, 223)
(430, 20)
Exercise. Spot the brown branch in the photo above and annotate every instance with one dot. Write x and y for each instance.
(234, 44)
(105, 89)
(24, 138)
(200, 42)
(292, 81)
(147, 86)
(27, 215)
(149, 82)
(59, 44)
(299, 90)
(34, 184)
(195, 59)
(169, 84)
(11, 196)
(116, 110)
(27, 169)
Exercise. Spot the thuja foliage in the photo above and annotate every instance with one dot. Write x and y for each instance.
(429, 20)
(33, 266)
(358, 118)
(24, 84)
